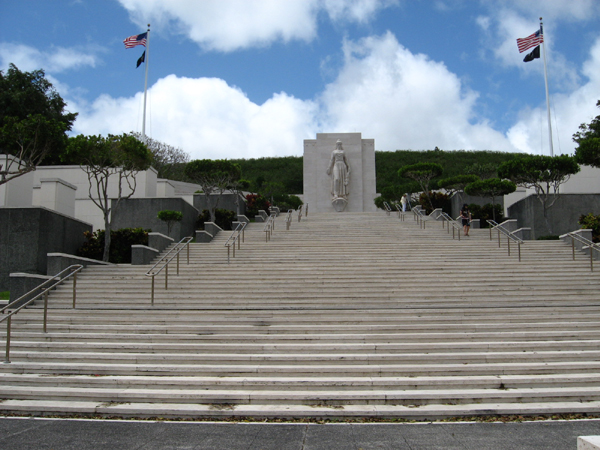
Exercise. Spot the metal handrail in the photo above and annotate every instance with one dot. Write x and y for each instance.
(419, 216)
(235, 237)
(288, 218)
(165, 260)
(509, 235)
(300, 212)
(269, 227)
(587, 244)
(387, 207)
(450, 221)
(400, 212)
(46, 286)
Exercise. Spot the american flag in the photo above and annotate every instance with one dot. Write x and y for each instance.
(530, 41)
(137, 39)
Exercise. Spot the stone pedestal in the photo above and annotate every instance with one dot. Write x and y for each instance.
(360, 190)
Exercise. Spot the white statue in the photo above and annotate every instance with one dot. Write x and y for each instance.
(339, 170)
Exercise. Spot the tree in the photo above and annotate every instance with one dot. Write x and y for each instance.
(482, 170)
(457, 184)
(545, 174)
(114, 158)
(422, 173)
(214, 176)
(170, 217)
(588, 140)
(33, 122)
(492, 188)
(168, 161)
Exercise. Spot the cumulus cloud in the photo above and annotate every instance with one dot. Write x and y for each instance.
(54, 60)
(404, 100)
(238, 24)
(206, 118)
(530, 133)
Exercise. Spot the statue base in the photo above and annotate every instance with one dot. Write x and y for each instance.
(339, 204)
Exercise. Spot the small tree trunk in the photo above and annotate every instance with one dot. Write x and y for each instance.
(107, 227)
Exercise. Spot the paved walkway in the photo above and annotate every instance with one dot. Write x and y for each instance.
(60, 434)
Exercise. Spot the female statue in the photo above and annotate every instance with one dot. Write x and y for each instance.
(339, 170)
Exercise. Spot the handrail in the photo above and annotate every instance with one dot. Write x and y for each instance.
(419, 216)
(587, 244)
(269, 227)
(235, 237)
(388, 210)
(288, 218)
(165, 260)
(450, 221)
(400, 212)
(299, 212)
(46, 286)
(509, 235)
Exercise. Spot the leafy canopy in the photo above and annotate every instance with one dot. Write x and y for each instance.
(588, 140)
(33, 121)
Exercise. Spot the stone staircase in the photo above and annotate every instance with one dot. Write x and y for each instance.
(343, 315)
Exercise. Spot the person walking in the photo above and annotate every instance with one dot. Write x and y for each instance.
(465, 215)
(404, 201)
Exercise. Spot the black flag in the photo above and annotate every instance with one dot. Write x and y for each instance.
(143, 58)
(530, 56)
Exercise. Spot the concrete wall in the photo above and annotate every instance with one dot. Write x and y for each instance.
(227, 201)
(143, 212)
(563, 216)
(18, 191)
(27, 235)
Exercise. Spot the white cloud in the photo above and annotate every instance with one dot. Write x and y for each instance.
(237, 24)
(530, 133)
(207, 119)
(404, 101)
(54, 60)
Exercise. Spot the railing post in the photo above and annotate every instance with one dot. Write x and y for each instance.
(498, 238)
(177, 263)
(243, 234)
(167, 277)
(591, 257)
(74, 289)
(228, 254)
(7, 357)
(519, 245)
(188, 253)
(508, 244)
(573, 247)
(46, 312)
(490, 233)
(234, 249)
(152, 294)
(238, 241)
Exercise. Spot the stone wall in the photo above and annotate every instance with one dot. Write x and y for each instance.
(143, 213)
(563, 216)
(27, 235)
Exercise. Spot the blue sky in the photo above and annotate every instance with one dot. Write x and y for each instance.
(254, 78)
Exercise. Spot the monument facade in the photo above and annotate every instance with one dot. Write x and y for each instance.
(339, 173)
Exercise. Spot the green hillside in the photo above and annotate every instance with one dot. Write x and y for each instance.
(288, 170)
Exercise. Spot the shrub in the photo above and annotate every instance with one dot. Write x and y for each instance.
(551, 237)
(223, 218)
(254, 203)
(120, 244)
(170, 217)
(286, 202)
(486, 212)
(591, 222)
(438, 200)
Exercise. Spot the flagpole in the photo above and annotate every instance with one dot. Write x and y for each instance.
(147, 61)
(547, 95)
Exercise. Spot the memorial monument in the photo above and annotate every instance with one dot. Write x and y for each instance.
(339, 173)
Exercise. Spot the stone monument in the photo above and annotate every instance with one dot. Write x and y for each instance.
(339, 173)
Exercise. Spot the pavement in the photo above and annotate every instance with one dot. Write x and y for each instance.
(81, 434)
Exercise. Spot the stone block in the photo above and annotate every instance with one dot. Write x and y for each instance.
(159, 241)
(212, 228)
(22, 283)
(588, 443)
(203, 236)
(142, 255)
(57, 262)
